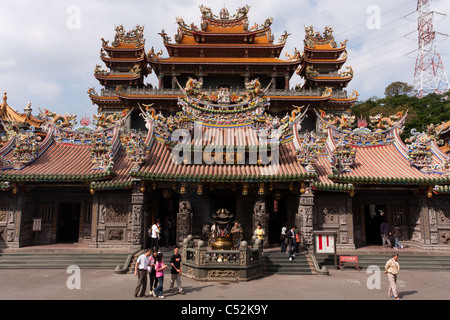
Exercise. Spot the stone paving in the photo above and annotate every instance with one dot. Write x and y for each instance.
(278, 292)
(339, 285)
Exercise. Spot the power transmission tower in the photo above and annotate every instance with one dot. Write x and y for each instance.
(429, 74)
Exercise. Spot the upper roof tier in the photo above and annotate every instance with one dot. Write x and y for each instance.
(224, 28)
(126, 41)
(325, 43)
(9, 115)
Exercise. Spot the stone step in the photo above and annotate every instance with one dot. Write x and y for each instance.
(279, 263)
(407, 261)
(60, 260)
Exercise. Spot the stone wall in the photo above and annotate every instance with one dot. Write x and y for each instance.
(431, 222)
(334, 212)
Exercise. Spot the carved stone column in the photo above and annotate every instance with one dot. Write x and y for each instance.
(137, 220)
(345, 240)
(425, 221)
(260, 216)
(14, 223)
(304, 218)
(184, 219)
(94, 221)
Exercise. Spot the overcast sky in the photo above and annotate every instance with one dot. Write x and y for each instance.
(49, 48)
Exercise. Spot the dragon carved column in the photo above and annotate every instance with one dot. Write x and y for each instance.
(184, 220)
(260, 216)
(304, 218)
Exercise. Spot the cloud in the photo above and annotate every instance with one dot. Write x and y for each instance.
(43, 52)
(48, 90)
(7, 64)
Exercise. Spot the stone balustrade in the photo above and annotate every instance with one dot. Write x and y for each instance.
(202, 263)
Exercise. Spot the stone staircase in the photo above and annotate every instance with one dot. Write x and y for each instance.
(277, 262)
(61, 260)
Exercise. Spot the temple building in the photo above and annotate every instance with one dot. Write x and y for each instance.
(222, 131)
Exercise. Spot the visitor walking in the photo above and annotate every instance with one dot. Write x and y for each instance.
(283, 239)
(385, 233)
(160, 268)
(297, 239)
(152, 273)
(141, 270)
(155, 236)
(397, 237)
(392, 269)
(175, 272)
(291, 241)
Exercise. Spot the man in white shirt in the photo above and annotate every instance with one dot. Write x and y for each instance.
(155, 236)
(141, 270)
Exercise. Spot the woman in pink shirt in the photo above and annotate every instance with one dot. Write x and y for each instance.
(160, 267)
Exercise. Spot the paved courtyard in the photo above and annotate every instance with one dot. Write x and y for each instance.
(267, 297)
(339, 285)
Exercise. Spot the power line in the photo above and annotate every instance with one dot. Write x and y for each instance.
(371, 49)
(379, 65)
(383, 46)
(386, 31)
(365, 62)
(365, 22)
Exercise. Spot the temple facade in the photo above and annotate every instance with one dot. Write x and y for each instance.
(222, 131)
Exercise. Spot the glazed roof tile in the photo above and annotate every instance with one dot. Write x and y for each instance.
(162, 167)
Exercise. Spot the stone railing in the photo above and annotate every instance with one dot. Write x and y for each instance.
(203, 263)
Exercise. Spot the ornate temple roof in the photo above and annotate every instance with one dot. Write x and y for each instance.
(224, 138)
(372, 153)
(9, 115)
(324, 42)
(221, 27)
(85, 155)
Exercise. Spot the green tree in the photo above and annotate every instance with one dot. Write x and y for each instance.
(431, 109)
(397, 88)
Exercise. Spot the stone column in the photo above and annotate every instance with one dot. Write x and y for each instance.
(345, 233)
(424, 221)
(260, 216)
(184, 219)
(137, 220)
(94, 221)
(14, 223)
(304, 218)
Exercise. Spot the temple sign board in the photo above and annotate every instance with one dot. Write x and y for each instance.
(325, 243)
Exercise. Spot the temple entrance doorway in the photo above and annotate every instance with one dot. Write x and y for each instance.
(374, 215)
(68, 222)
(164, 208)
(277, 218)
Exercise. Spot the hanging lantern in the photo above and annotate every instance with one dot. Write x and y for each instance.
(245, 189)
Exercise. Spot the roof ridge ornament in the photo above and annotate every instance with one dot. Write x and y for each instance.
(134, 36)
(313, 38)
(224, 14)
